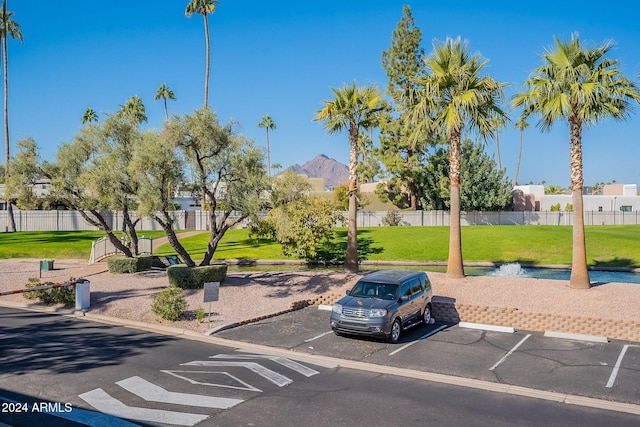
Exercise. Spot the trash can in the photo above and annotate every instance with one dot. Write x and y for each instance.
(46, 265)
(83, 294)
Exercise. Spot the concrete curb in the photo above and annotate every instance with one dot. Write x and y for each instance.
(576, 337)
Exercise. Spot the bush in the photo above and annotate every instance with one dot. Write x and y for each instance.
(122, 264)
(555, 208)
(169, 304)
(185, 277)
(392, 218)
(200, 314)
(63, 295)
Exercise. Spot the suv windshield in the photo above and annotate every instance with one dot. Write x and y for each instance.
(374, 290)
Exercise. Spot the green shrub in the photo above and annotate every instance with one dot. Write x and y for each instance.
(63, 295)
(185, 277)
(200, 314)
(568, 207)
(122, 264)
(555, 208)
(393, 218)
(169, 304)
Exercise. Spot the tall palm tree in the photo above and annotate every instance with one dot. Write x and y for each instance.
(522, 125)
(89, 116)
(267, 123)
(165, 93)
(8, 27)
(204, 7)
(134, 110)
(582, 86)
(352, 108)
(453, 95)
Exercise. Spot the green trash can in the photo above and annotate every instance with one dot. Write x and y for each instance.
(46, 265)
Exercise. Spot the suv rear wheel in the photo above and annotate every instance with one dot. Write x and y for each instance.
(396, 330)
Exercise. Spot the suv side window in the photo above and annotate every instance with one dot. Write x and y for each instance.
(416, 286)
(427, 285)
(405, 291)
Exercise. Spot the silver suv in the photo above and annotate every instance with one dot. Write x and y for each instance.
(383, 304)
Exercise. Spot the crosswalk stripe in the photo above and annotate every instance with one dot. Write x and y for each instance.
(151, 392)
(274, 377)
(308, 362)
(284, 361)
(103, 402)
(176, 374)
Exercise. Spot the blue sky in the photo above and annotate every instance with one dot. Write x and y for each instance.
(282, 57)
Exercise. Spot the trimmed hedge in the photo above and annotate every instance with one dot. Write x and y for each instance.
(122, 264)
(185, 277)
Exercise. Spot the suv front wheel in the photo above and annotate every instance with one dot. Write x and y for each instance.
(396, 330)
(426, 315)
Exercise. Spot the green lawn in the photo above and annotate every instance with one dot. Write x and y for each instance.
(54, 244)
(606, 245)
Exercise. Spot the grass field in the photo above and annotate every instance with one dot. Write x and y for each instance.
(612, 246)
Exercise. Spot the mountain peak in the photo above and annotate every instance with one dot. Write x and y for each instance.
(322, 166)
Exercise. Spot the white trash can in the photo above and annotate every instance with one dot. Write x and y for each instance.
(83, 294)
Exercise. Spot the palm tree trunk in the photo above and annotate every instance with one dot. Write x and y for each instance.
(351, 257)
(166, 110)
(498, 151)
(579, 273)
(5, 57)
(208, 60)
(519, 157)
(268, 154)
(455, 268)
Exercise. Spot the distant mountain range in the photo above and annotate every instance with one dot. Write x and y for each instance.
(321, 166)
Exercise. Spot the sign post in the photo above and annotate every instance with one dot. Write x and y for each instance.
(211, 293)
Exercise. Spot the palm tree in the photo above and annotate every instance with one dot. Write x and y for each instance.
(8, 28)
(267, 123)
(165, 93)
(134, 110)
(522, 125)
(204, 7)
(352, 108)
(453, 95)
(583, 87)
(89, 116)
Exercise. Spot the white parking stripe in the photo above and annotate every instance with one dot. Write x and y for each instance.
(510, 352)
(419, 339)
(318, 336)
(614, 373)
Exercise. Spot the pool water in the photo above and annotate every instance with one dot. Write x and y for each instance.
(512, 269)
(515, 270)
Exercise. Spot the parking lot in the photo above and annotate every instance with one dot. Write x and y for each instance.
(609, 371)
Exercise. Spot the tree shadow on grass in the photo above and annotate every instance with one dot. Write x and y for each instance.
(622, 263)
